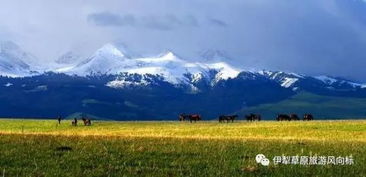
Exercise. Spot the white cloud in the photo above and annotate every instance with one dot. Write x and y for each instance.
(302, 36)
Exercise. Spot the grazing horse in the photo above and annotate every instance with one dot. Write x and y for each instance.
(294, 117)
(253, 117)
(308, 117)
(228, 118)
(194, 117)
(59, 119)
(74, 122)
(86, 121)
(282, 117)
(183, 117)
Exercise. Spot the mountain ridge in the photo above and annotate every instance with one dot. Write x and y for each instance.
(114, 84)
(115, 60)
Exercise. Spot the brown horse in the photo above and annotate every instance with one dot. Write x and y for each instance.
(282, 117)
(194, 117)
(74, 122)
(308, 117)
(228, 118)
(86, 121)
(294, 117)
(59, 119)
(183, 117)
(253, 117)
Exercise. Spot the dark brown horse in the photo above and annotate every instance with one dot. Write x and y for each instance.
(282, 117)
(308, 117)
(74, 122)
(183, 117)
(253, 117)
(59, 119)
(294, 117)
(228, 118)
(194, 117)
(87, 122)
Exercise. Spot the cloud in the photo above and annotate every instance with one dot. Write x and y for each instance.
(157, 22)
(217, 22)
(310, 37)
(110, 19)
(160, 23)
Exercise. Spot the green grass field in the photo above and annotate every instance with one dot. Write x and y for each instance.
(325, 107)
(43, 148)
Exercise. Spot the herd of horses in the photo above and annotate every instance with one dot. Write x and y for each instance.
(250, 117)
(222, 118)
(190, 117)
(86, 121)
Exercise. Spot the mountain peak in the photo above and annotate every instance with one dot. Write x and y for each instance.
(110, 49)
(11, 59)
(168, 55)
(225, 70)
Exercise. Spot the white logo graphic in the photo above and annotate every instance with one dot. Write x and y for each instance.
(260, 158)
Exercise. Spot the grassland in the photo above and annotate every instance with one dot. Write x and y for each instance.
(319, 105)
(43, 148)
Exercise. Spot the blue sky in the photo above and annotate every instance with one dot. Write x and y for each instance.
(311, 37)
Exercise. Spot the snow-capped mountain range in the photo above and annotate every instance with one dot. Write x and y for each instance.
(110, 60)
(115, 83)
(115, 60)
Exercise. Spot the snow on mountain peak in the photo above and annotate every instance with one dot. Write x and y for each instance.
(288, 82)
(172, 68)
(11, 60)
(162, 58)
(285, 79)
(169, 56)
(339, 81)
(225, 71)
(12, 54)
(116, 60)
(111, 60)
(326, 79)
(110, 49)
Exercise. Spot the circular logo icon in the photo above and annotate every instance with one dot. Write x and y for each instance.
(259, 158)
(265, 162)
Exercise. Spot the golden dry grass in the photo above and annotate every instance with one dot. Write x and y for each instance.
(341, 131)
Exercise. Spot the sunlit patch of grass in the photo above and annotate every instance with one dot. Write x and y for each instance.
(345, 131)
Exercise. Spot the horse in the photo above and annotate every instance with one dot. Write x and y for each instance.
(253, 117)
(308, 117)
(294, 117)
(183, 117)
(282, 117)
(227, 118)
(74, 122)
(59, 119)
(86, 121)
(194, 117)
